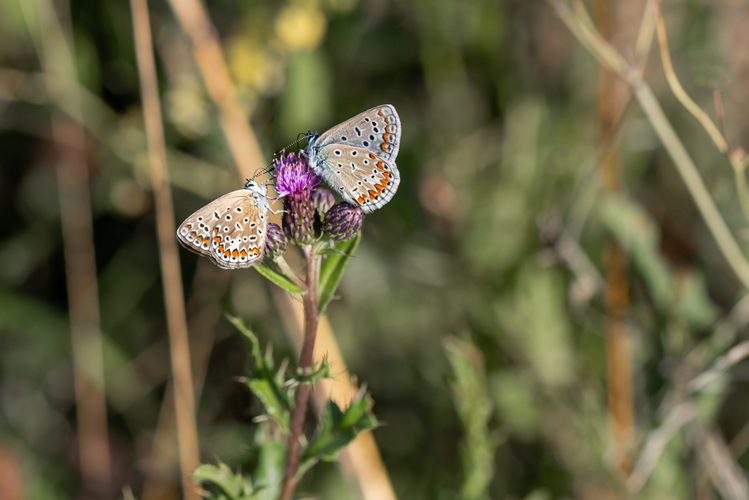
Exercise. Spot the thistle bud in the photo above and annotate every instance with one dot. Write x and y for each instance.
(275, 243)
(343, 221)
(323, 200)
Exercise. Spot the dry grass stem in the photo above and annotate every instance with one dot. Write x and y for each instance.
(682, 161)
(241, 139)
(679, 92)
(58, 63)
(184, 397)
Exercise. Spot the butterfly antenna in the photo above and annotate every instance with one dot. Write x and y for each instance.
(262, 171)
(300, 137)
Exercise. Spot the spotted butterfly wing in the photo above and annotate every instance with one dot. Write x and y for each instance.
(230, 230)
(357, 157)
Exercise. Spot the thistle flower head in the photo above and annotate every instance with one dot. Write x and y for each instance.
(293, 175)
(295, 182)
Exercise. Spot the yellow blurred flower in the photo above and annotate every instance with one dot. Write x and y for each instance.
(186, 108)
(300, 26)
(249, 62)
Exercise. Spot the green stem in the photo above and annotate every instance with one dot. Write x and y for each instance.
(289, 272)
(311, 301)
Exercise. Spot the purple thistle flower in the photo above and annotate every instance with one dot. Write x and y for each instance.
(293, 175)
(343, 221)
(295, 182)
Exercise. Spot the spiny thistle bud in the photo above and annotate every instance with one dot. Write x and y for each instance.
(295, 182)
(323, 200)
(275, 243)
(342, 221)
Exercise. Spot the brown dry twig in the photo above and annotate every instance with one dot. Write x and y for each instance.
(184, 398)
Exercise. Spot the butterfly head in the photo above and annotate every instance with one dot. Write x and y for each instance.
(256, 187)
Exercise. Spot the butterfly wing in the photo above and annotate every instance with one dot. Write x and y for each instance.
(361, 177)
(231, 230)
(378, 130)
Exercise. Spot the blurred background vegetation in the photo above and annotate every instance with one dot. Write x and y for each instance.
(541, 312)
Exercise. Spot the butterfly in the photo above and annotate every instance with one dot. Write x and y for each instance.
(357, 157)
(231, 230)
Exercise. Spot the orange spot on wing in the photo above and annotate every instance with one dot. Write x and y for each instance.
(386, 175)
(386, 137)
(372, 194)
(380, 165)
(384, 147)
(243, 254)
(217, 240)
(361, 199)
(235, 254)
(372, 156)
(390, 129)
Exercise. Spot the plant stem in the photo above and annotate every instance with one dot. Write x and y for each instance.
(311, 301)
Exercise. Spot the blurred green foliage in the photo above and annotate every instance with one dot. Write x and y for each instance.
(494, 243)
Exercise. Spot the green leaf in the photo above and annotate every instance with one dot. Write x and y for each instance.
(278, 279)
(474, 408)
(337, 429)
(332, 270)
(230, 486)
(271, 451)
(265, 382)
(684, 295)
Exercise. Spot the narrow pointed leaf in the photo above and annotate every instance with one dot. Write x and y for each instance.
(278, 279)
(332, 269)
(230, 486)
(267, 384)
(337, 429)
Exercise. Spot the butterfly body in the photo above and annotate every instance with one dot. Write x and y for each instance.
(357, 157)
(232, 229)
